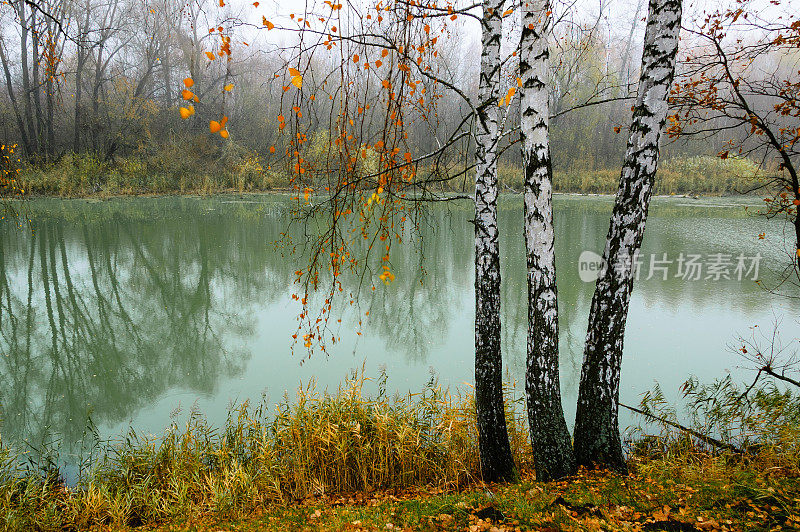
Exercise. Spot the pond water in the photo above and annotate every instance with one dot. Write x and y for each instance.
(134, 311)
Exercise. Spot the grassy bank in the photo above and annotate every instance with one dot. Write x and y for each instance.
(320, 444)
(700, 493)
(170, 170)
(202, 168)
(345, 461)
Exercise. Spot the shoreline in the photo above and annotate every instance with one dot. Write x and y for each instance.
(100, 196)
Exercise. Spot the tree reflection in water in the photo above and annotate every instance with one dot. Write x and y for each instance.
(107, 307)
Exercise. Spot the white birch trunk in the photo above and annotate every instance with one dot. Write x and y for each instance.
(552, 446)
(597, 438)
(495, 450)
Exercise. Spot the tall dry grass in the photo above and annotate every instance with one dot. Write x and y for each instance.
(320, 443)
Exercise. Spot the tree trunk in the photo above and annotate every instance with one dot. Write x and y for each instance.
(98, 82)
(797, 238)
(82, 55)
(76, 135)
(552, 446)
(495, 450)
(597, 438)
(26, 80)
(12, 98)
(50, 72)
(37, 85)
(787, 161)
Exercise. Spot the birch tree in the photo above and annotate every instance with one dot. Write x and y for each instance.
(597, 437)
(552, 447)
(496, 460)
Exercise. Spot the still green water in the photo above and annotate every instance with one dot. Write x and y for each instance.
(132, 312)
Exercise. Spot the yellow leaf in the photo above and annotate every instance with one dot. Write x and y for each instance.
(506, 100)
(229, 87)
(294, 72)
(297, 81)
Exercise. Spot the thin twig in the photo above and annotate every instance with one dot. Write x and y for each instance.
(700, 436)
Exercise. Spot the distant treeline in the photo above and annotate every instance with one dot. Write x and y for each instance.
(91, 91)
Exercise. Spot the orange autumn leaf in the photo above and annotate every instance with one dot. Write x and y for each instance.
(185, 113)
(214, 126)
(187, 94)
(228, 87)
(210, 56)
(267, 23)
(224, 134)
(189, 82)
(506, 100)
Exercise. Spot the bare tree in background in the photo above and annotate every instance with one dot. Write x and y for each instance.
(740, 86)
